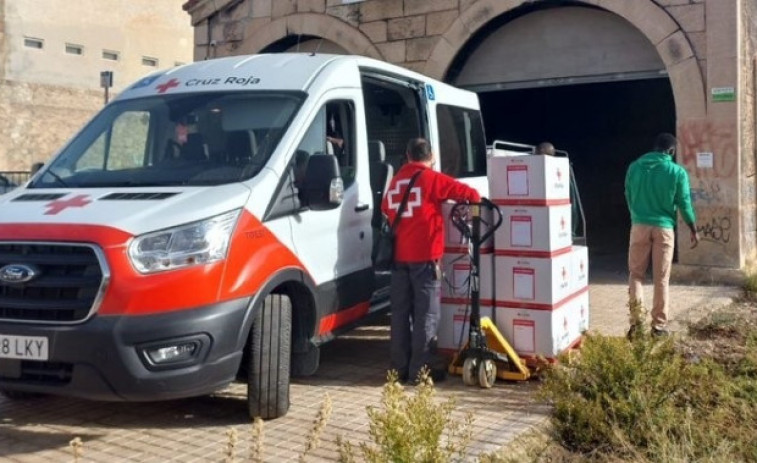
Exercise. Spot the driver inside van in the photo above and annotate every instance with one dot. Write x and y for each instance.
(186, 144)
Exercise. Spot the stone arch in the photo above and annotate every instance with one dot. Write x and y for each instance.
(318, 25)
(650, 19)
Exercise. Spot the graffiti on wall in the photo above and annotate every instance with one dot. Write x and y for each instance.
(705, 136)
(715, 229)
(707, 193)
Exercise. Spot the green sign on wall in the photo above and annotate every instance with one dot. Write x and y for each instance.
(723, 94)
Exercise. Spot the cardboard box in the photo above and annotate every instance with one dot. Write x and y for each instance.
(456, 282)
(546, 333)
(534, 281)
(454, 325)
(454, 240)
(534, 230)
(534, 180)
(580, 273)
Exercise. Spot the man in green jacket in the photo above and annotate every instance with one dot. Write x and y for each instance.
(656, 188)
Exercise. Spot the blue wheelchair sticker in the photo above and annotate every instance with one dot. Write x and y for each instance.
(146, 82)
(430, 92)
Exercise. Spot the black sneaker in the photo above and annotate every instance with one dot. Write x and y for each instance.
(435, 375)
(660, 332)
(634, 331)
(438, 375)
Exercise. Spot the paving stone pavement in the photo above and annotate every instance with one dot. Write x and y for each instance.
(352, 374)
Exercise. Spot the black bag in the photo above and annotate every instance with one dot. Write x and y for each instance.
(383, 258)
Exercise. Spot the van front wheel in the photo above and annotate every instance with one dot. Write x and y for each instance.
(269, 359)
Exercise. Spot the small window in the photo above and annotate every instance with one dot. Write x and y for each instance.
(123, 147)
(147, 61)
(72, 49)
(332, 132)
(462, 146)
(30, 42)
(110, 55)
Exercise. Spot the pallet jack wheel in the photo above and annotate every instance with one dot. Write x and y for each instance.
(487, 373)
(470, 370)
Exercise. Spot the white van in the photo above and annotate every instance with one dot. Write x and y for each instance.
(215, 222)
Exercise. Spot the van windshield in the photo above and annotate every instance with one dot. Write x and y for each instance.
(194, 139)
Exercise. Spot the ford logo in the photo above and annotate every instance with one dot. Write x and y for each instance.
(18, 273)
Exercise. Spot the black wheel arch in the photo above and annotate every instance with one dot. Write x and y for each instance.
(300, 288)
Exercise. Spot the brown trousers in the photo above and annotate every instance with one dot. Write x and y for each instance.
(655, 242)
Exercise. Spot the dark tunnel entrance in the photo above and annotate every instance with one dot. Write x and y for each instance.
(603, 127)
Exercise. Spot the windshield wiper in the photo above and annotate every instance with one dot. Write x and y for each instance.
(56, 177)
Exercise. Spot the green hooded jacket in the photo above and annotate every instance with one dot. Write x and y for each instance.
(656, 188)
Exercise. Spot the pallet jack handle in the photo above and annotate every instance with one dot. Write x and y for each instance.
(486, 346)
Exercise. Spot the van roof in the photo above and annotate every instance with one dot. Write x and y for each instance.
(281, 71)
(276, 71)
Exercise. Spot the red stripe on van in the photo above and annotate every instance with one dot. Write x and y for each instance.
(255, 254)
(331, 322)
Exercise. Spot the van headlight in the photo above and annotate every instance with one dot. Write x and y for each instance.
(192, 244)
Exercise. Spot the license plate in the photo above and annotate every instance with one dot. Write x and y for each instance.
(23, 347)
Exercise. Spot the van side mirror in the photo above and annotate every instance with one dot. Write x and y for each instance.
(322, 188)
(36, 167)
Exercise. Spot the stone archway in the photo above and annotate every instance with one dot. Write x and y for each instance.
(310, 24)
(651, 20)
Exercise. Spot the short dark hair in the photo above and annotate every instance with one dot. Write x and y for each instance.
(664, 142)
(419, 150)
(545, 148)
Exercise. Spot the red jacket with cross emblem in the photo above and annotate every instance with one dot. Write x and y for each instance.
(420, 233)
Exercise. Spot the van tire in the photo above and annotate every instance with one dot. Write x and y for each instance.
(306, 363)
(269, 359)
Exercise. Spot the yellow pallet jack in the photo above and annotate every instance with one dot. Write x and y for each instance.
(487, 355)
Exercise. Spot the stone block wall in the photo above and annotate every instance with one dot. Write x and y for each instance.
(39, 119)
(698, 40)
(747, 100)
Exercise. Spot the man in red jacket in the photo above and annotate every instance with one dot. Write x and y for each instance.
(416, 278)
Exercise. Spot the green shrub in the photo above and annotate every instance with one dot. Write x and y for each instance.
(412, 428)
(750, 286)
(643, 401)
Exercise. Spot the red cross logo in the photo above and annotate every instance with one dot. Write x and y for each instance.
(583, 310)
(163, 88)
(564, 274)
(581, 265)
(559, 175)
(565, 324)
(394, 198)
(562, 223)
(59, 205)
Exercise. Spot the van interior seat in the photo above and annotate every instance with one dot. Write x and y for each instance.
(194, 149)
(381, 174)
(238, 147)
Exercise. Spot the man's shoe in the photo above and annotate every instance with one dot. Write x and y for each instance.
(634, 331)
(438, 375)
(660, 332)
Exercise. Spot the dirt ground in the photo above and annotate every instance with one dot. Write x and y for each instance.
(722, 335)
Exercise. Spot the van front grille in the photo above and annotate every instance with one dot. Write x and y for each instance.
(67, 281)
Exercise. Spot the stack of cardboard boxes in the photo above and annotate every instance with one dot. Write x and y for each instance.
(534, 281)
(542, 304)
